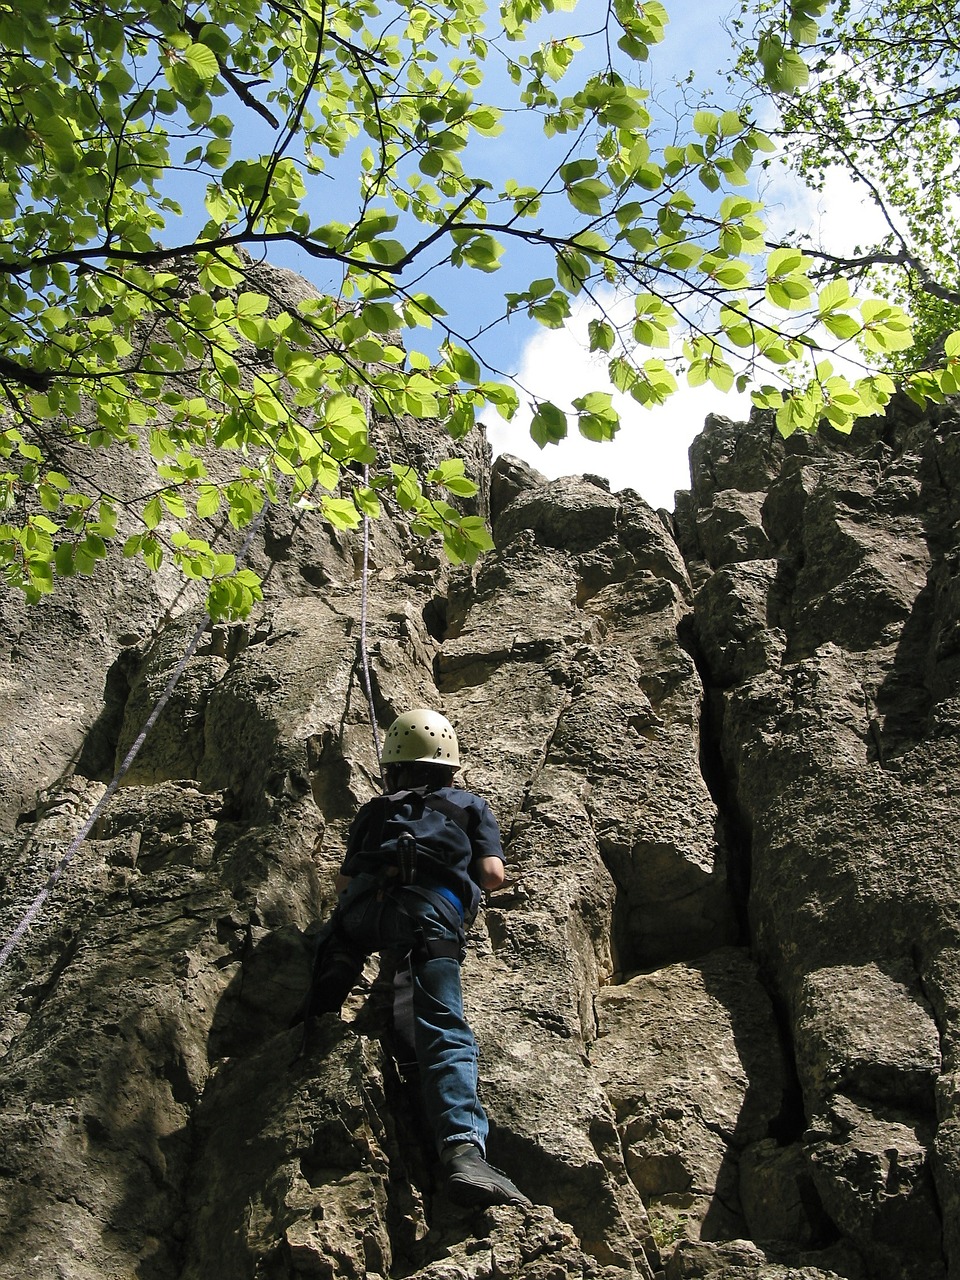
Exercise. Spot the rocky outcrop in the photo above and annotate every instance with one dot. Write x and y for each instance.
(718, 999)
(833, 667)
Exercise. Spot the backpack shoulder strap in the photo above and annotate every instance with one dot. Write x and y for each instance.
(384, 808)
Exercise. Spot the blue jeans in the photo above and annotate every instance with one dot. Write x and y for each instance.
(446, 1049)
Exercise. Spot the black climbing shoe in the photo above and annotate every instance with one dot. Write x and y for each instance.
(472, 1182)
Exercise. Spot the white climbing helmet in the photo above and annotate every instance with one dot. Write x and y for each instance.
(423, 736)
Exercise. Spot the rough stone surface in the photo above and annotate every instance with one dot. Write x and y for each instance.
(688, 1056)
(718, 999)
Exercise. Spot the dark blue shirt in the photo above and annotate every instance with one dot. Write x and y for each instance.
(449, 844)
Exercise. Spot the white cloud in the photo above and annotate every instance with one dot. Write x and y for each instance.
(838, 218)
(649, 453)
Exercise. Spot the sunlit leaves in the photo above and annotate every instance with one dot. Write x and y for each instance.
(783, 67)
(788, 284)
(826, 397)
(475, 249)
(707, 362)
(464, 537)
(602, 335)
(643, 25)
(450, 475)
(361, 133)
(597, 419)
(886, 327)
(881, 106)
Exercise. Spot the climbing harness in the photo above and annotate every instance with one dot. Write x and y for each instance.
(423, 948)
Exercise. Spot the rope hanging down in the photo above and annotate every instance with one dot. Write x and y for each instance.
(364, 659)
(36, 906)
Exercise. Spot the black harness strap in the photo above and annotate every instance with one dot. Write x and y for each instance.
(403, 1032)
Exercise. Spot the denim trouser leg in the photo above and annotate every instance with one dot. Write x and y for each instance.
(447, 1055)
(339, 972)
(445, 1045)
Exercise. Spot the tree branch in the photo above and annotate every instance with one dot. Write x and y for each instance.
(877, 259)
(29, 377)
(193, 28)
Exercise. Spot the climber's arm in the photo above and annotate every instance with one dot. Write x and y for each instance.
(488, 872)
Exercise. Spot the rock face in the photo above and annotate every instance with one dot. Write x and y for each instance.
(718, 999)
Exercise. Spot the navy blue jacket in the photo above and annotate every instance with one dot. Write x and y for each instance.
(447, 844)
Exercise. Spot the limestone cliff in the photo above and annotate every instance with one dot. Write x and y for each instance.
(718, 1000)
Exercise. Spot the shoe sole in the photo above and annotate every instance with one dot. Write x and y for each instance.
(472, 1196)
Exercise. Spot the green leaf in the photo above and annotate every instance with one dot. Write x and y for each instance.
(450, 475)
(789, 74)
(587, 195)
(577, 170)
(368, 502)
(344, 411)
(252, 304)
(596, 418)
(367, 350)
(601, 334)
(784, 262)
(483, 253)
(208, 501)
(152, 513)
(463, 363)
(549, 424)
(202, 60)
(408, 486)
(834, 295)
(380, 317)
(841, 325)
(174, 503)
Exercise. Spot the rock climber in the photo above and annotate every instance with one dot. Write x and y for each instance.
(417, 859)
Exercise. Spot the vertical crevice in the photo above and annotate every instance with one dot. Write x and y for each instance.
(733, 830)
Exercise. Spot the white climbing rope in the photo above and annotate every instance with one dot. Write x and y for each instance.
(37, 905)
(364, 580)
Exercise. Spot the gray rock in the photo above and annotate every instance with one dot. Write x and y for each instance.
(779, 1198)
(718, 998)
(689, 1058)
(861, 1032)
(731, 529)
(872, 1171)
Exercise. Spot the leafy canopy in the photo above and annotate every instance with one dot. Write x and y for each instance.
(149, 153)
(870, 87)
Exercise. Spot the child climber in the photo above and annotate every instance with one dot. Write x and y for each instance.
(416, 861)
